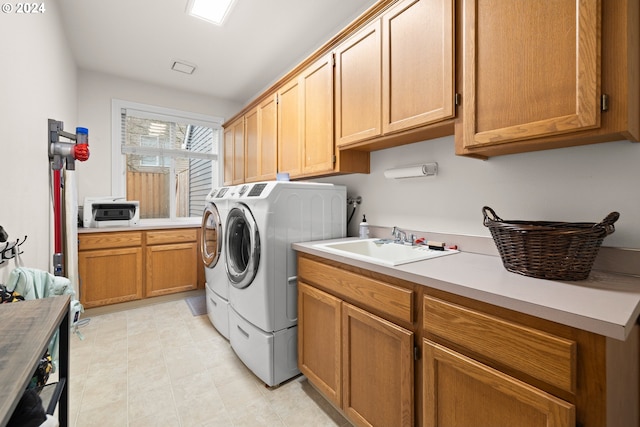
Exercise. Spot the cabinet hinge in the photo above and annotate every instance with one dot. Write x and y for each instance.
(604, 102)
(457, 99)
(277, 100)
(334, 159)
(416, 353)
(333, 59)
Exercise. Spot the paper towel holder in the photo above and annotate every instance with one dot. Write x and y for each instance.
(413, 171)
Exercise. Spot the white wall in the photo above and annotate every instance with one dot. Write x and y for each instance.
(571, 184)
(95, 92)
(38, 82)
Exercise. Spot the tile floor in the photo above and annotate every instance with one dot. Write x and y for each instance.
(161, 366)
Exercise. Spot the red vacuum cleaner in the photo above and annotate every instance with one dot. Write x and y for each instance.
(63, 155)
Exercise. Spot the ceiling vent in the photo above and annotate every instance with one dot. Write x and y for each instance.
(183, 67)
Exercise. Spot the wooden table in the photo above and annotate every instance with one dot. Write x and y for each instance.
(26, 328)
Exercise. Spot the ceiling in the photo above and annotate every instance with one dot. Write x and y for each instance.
(260, 41)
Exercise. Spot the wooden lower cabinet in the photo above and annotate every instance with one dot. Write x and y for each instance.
(362, 363)
(172, 261)
(388, 352)
(120, 266)
(377, 370)
(319, 344)
(110, 276)
(171, 269)
(461, 392)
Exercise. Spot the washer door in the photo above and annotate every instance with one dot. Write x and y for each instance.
(211, 243)
(242, 251)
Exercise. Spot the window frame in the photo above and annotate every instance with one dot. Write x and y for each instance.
(118, 159)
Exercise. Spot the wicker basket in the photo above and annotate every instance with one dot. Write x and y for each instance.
(548, 250)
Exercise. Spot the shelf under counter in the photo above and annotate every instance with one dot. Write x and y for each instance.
(27, 327)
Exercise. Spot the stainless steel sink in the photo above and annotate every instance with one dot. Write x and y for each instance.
(382, 251)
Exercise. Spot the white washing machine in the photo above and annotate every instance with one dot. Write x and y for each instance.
(217, 283)
(264, 219)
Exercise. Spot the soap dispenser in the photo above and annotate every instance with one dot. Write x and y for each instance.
(364, 228)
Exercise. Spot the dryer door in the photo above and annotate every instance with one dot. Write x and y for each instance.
(242, 251)
(211, 243)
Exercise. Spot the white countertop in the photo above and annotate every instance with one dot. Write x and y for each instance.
(605, 303)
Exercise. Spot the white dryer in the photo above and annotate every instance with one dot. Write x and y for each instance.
(264, 219)
(212, 249)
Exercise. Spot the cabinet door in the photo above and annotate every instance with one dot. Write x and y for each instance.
(234, 153)
(228, 156)
(317, 116)
(530, 69)
(290, 128)
(268, 138)
(319, 355)
(171, 268)
(110, 276)
(377, 370)
(238, 152)
(359, 86)
(252, 147)
(261, 139)
(460, 392)
(417, 64)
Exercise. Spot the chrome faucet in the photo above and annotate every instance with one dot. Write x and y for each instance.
(400, 236)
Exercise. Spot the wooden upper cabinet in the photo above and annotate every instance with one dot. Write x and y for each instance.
(317, 116)
(252, 147)
(228, 156)
(305, 121)
(358, 86)
(534, 74)
(268, 137)
(397, 73)
(417, 64)
(234, 152)
(238, 153)
(261, 140)
(530, 69)
(290, 128)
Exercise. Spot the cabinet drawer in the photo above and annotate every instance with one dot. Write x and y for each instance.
(535, 353)
(109, 240)
(171, 236)
(382, 297)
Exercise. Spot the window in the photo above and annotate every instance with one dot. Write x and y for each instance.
(149, 141)
(165, 159)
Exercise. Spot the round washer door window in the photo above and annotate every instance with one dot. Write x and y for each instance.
(242, 246)
(211, 243)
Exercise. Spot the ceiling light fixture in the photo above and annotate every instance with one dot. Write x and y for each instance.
(214, 11)
(183, 67)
